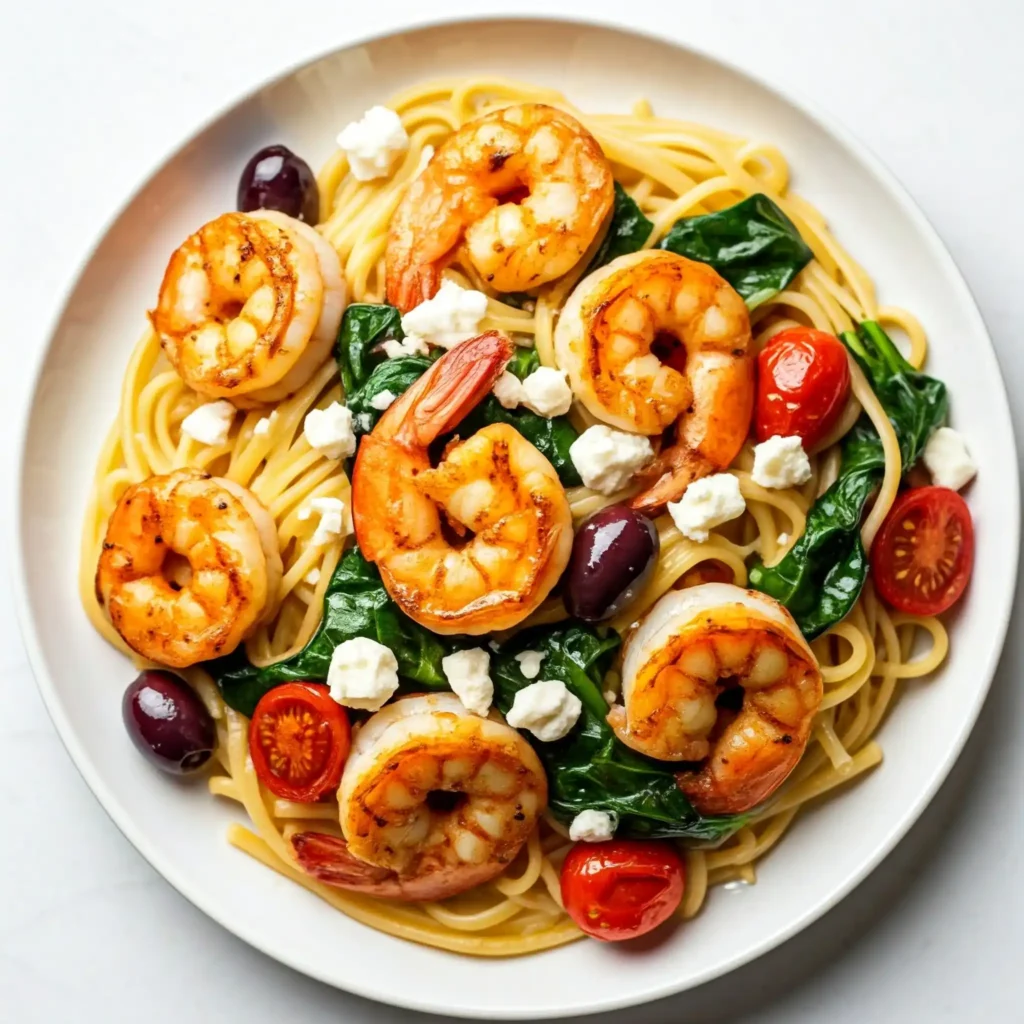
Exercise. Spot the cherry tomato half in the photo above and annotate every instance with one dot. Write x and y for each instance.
(623, 888)
(803, 379)
(923, 554)
(299, 739)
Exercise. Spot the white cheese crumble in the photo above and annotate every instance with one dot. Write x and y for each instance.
(329, 431)
(705, 504)
(529, 663)
(332, 520)
(593, 827)
(383, 400)
(469, 675)
(547, 709)
(363, 674)
(372, 142)
(948, 459)
(781, 462)
(263, 425)
(508, 390)
(394, 349)
(363, 422)
(312, 577)
(211, 423)
(782, 540)
(610, 697)
(606, 459)
(451, 316)
(546, 392)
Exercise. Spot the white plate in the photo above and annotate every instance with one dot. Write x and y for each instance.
(180, 829)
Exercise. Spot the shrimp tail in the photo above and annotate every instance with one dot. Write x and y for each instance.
(442, 398)
(667, 477)
(327, 859)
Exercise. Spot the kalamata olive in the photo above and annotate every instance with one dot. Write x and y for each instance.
(276, 179)
(168, 723)
(612, 557)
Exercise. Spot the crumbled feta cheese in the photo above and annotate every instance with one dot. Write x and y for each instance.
(383, 400)
(305, 513)
(211, 423)
(363, 674)
(705, 504)
(363, 422)
(782, 540)
(948, 459)
(529, 663)
(469, 675)
(546, 392)
(494, 645)
(332, 520)
(606, 459)
(610, 697)
(781, 462)
(394, 349)
(508, 390)
(372, 142)
(451, 316)
(312, 577)
(593, 827)
(547, 709)
(329, 431)
(263, 425)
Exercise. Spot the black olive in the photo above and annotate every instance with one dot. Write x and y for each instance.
(276, 179)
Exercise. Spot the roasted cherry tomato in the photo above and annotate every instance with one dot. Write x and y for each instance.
(299, 739)
(803, 378)
(623, 888)
(923, 554)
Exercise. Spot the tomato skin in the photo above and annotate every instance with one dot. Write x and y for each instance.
(299, 739)
(803, 380)
(622, 888)
(928, 537)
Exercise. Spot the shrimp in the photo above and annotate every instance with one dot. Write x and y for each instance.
(525, 190)
(433, 801)
(249, 307)
(189, 567)
(721, 675)
(475, 544)
(654, 339)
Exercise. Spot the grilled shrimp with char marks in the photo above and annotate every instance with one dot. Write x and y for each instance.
(249, 307)
(434, 801)
(524, 190)
(475, 544)
(654, 340)
(189, 567)
(722, 675)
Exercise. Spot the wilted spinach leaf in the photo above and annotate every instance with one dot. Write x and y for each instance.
(355, 604)
(752, 244)
(363, 327)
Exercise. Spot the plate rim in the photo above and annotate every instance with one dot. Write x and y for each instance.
(164, 866)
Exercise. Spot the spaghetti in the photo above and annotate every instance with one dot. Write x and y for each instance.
(671, 169)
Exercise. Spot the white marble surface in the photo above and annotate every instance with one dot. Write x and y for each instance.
(93, 94)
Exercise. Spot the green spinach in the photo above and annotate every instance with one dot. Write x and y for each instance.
(591, 768)
(752, 244)
(356, 604)
(363, 327)
(628, 231)
(394, 375)
(821, 577)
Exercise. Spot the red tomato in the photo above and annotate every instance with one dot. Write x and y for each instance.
(623, 888)
(299, 739)
(923, 554)
(803, 378)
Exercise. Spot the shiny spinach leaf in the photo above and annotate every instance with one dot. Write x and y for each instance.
(591, 768)
(821, 577)
(628, 231)
(355, 604)
(752, 244)
(363, 327)
(394, 375)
